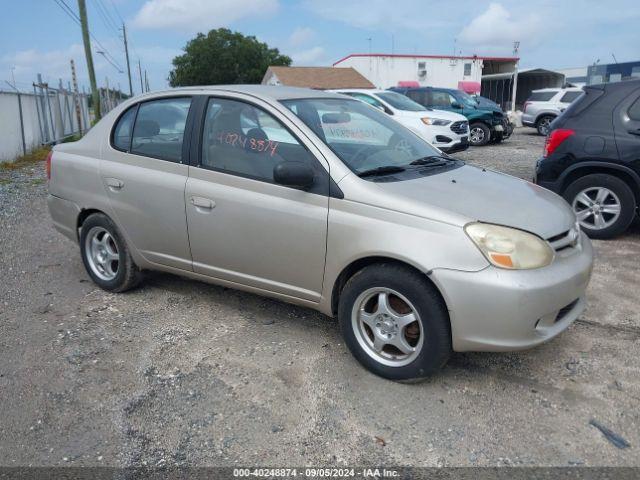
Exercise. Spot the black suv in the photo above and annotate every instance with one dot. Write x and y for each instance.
(592, 157)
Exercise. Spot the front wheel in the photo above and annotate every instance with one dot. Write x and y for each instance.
(394, 322)
(479, 134)
(604, 204)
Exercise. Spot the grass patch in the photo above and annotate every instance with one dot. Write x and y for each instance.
(37, 155)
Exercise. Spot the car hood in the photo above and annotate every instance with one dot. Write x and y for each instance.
(487, 196)
(454, 117)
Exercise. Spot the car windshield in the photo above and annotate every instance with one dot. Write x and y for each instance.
(364, 138)
(399, 101)
(467, 99)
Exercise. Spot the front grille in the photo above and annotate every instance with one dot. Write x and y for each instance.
(460, 127)
(565, 310)
(564, 240)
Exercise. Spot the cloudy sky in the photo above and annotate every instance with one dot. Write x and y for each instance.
(40, 36)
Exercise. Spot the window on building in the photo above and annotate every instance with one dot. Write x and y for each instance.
(467, 69)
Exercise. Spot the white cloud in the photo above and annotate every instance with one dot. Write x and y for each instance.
(496, 28)
(199, 15)
(301, 36)
(310, 57)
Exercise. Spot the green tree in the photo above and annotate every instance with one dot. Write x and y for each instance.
(224, 57)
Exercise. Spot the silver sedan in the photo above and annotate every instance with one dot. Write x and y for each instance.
(321, 200)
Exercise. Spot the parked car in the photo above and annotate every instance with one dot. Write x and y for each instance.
(592, 158)
(446, 130)
(347, 212)
(485, 103)
(544, 105)
(485, 125)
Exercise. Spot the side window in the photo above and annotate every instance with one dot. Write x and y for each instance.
(569, 97)
(440, 99)
(418, 96)
(370, 100)
(122, 133)
(159, 128)
(634, 110)
(241, 139)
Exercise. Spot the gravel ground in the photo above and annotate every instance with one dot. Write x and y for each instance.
(183, 373)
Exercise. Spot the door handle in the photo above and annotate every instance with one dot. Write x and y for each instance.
(634, 131)
(202, 203)
(114, 183)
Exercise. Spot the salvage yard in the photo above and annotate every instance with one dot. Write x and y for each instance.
(179, 372)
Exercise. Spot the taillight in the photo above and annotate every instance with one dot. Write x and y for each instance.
(48, 165)
(555, 139)
(524, 109)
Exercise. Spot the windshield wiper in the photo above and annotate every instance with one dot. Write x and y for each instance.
(384, 170)
(434, 160)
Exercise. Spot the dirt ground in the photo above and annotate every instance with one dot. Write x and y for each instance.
(184, 373)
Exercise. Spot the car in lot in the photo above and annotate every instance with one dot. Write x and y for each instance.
(592, 158)
(317, 199)
(544, 105)
(485, 124)
(448, 131)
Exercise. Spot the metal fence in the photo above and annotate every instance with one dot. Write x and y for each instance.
(45, 116)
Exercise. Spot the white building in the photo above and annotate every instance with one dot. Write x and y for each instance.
(389, 70)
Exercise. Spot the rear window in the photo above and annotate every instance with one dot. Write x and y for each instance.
(569, 97)
(588, 98)
(541, 96)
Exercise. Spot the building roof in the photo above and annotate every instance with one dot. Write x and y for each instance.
(319, 78)
(398, 55)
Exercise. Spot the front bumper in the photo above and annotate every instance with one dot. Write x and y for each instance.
(502, 310)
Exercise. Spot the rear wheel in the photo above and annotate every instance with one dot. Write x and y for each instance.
(604, 204)
(106, 256)
(394, 322)
(543, 124)
(479, 134)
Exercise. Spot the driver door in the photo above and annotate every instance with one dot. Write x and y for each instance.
(243, 227)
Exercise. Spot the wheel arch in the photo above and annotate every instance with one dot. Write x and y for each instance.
(631, 178)
(360, 263)
(545, 114)
(83, 215)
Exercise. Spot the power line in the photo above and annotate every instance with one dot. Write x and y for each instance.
(72, 14)
(105, 16)
(117, 11)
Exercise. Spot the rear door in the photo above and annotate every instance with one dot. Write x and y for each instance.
(144, 171)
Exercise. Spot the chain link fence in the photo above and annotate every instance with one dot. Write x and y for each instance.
(46, 116)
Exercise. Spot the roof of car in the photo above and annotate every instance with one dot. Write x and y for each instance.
(265, 91)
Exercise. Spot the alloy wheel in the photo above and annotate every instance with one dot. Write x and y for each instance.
(102, 253)
(387, 326)
(476, 135)
(597, 208)
(544, 125)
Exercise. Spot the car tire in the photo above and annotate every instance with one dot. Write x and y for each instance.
(542, 124)
(596, 198)
(479, 134)
(106, 256)
(425, 338)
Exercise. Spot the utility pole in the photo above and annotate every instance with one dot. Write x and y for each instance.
(146, 80)
(126, 52)
(108, 101)
(516, 47)
(76, 95)
(84, 23)
(140, 74)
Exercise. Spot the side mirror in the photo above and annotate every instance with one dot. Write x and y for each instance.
(293, 174)
(456, 105)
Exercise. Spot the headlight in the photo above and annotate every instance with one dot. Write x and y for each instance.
(510, 248)
(440, 122)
